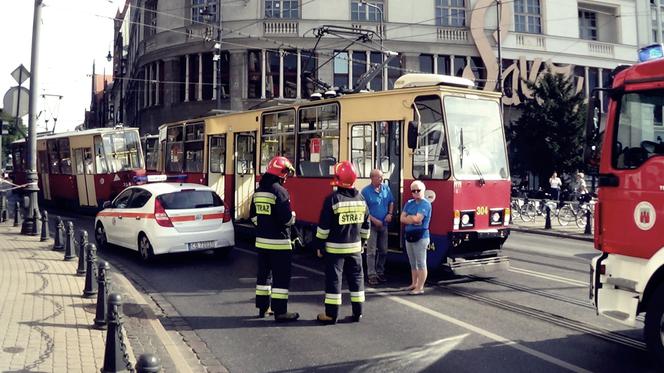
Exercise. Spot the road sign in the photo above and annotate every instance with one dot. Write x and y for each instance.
(11, 101)
(20, 74)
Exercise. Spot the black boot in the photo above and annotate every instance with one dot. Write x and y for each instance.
(264, 311)
(287, 317)
(325, 319)
(353, 318)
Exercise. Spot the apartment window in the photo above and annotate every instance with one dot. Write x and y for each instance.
(426, 63)
(341, 78)
(587, 25)
(203, 11)
(150, 17)
(362, 12)
(282, 9)
(451, 13)
(527, 16)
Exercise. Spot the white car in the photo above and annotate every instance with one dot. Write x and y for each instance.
(163, 218)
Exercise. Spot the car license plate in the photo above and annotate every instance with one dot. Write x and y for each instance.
(202, 245)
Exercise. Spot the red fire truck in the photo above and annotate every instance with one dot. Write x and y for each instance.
(628, 277)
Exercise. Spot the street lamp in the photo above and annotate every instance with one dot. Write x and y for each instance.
(380, 10)
(207, 15)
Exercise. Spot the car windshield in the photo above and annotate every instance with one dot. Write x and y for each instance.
(477, 142)
(640, 129)
(190, 199)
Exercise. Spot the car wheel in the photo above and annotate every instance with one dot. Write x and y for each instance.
(145, 248)
(100, 236)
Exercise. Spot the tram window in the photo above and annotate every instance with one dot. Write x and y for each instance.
(193, 148)
(278, 134)
(194, 132)
(100, 156)
(217, 154)
(78, 161)
(53, 156)
(361, 149)
(151, 154)
(65, 156)
(174, 151)
(430, 159)
(318, 140)
(123, 149)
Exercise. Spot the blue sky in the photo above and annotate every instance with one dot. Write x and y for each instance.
(73, 34)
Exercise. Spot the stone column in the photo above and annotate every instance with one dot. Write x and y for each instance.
(238, 78)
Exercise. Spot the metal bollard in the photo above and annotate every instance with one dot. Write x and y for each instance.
(17, 213)
(44, 228)
(588, 229)
(82, 243)
(69, 242)
(547, 223)
(58, 241)
(115, 353)
(103, 286)
(35, 221)
(148, 363)
(3, 207)
(90, 278)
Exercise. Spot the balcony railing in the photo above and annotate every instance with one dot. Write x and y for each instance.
(600, 49)
(530, 41)
(452, 34)
(280, 27)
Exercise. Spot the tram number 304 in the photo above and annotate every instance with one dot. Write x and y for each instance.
(482, 210)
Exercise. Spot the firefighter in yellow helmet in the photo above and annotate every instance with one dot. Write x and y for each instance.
(340, 236)
(271, 212)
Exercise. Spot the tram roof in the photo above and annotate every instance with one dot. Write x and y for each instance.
(88, 132)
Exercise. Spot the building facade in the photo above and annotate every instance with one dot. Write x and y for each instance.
(173, 58)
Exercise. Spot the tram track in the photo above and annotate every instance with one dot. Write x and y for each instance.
(548, 317)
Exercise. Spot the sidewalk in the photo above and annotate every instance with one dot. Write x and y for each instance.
(537, 227)
(46, 325)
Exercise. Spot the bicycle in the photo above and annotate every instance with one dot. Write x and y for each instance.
(576, 212)
(531, 209)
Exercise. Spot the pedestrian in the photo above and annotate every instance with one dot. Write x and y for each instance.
(341, 232)
(271, 212)
(381, 207)
(416, 215)
(555, 183)
(581, 187)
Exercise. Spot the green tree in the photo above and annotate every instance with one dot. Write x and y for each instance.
(13, 135)
(549, 134)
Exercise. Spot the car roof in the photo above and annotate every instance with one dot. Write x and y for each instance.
(163, 188)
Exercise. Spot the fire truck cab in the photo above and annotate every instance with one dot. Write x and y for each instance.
(627, 278)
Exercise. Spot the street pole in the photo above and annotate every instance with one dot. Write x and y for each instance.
(499, 86)
(219, 60)
(32, 208)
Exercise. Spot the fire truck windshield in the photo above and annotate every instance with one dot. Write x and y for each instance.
(477, 147)
(639, 129)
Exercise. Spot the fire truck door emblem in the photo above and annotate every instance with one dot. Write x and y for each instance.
(644, 215)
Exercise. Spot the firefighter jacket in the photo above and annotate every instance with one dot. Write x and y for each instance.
(271, 212)
(344, 222)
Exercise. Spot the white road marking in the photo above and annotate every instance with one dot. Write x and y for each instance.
(548, 276)
(462, 324)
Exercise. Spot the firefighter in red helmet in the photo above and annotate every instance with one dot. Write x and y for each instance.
(271, 212)
(340, 236)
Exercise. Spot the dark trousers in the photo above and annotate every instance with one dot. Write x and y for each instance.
(337, 265)
(279, 263)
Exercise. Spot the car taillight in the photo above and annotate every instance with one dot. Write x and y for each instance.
(160, 215)
(227, 215)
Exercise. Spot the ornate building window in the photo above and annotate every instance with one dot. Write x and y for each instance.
(197, 9)
(289, 9)
(587, 25)
(150, 17)
(451, 13)
(527, 16)
(362, 12)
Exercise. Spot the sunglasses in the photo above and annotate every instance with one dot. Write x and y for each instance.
(415, 190)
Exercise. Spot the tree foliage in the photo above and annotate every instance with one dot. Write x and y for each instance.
(548, 136)
(14, 133)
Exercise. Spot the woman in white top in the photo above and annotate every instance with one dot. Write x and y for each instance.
(555, 183)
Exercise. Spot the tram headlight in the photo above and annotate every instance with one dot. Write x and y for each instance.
(496, 216)
(467, 219)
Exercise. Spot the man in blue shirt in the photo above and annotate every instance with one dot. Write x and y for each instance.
(381, 208)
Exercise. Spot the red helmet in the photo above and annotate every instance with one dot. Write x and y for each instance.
(345, 174)
(281, 167)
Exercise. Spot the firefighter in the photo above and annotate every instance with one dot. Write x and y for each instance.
(340, 236)
(271, 213)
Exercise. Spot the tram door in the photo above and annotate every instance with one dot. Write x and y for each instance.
(85, 181)
(388, 159)
(245, 173)
(217, 164)
(42, 158)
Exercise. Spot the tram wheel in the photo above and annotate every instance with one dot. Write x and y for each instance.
(100, 236)
(145, 248)
(654, 326)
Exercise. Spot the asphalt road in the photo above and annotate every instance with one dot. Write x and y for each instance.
(534, 317)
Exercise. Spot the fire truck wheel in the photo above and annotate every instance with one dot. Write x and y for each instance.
(654, 326)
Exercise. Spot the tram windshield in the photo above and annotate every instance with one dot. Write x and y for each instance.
(123, 151)
(477, 142)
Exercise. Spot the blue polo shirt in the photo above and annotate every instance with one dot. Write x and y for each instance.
(413, 208)
(378, 202)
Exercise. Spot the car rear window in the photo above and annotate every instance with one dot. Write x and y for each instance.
(190, 199)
